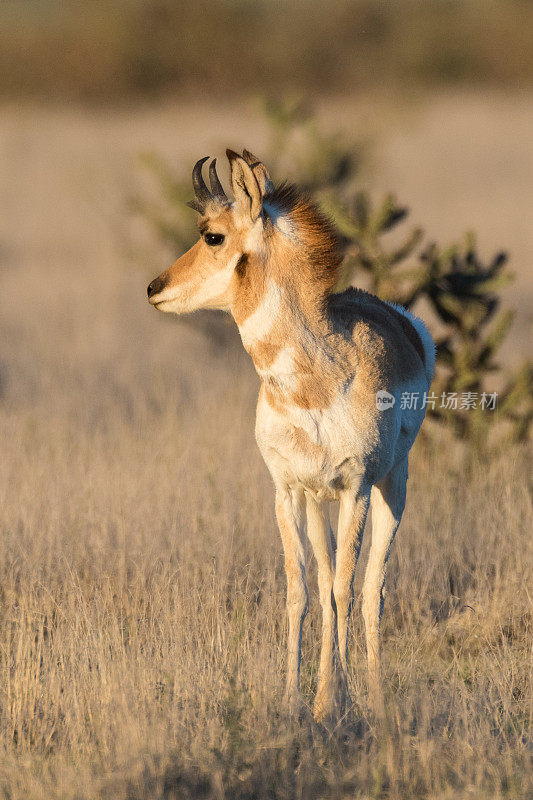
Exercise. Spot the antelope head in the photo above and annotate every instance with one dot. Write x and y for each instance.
(207, 275)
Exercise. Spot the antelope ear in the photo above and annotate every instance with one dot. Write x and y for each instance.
(260, 171)
(245, 186)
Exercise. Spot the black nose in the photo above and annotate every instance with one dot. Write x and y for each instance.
(155, 287)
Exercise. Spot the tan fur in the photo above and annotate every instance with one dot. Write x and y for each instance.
(322, 358)
(303, 442)
(182, 270)
(249, 289)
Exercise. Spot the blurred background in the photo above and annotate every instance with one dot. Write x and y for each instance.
(126, 50)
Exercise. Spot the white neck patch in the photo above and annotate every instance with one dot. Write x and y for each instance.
(257, 326)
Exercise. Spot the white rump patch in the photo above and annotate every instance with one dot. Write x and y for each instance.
(425, 336)
(259, 323)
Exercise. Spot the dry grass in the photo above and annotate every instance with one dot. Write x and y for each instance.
(142, 630)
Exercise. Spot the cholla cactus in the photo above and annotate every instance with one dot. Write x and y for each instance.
(299, 150)
(463, 294)
(362, 227)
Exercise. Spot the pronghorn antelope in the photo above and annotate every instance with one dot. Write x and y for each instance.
(273, 260)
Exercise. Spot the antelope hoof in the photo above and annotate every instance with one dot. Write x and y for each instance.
(332, 702)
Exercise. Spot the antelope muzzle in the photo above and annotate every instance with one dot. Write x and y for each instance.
(155, 288)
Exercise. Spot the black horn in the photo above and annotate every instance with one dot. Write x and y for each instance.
(203, 195)
(216, 186)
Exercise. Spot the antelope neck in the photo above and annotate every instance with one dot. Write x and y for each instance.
(283, 336)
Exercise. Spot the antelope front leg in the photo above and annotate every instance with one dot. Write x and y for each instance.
(318, 531)
(352, 516)
(291, 522)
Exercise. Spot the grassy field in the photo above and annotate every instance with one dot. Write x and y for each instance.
(142, 627)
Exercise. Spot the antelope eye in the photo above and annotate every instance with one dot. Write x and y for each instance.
(212, 239)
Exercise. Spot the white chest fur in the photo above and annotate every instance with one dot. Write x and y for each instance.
(322, 450)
